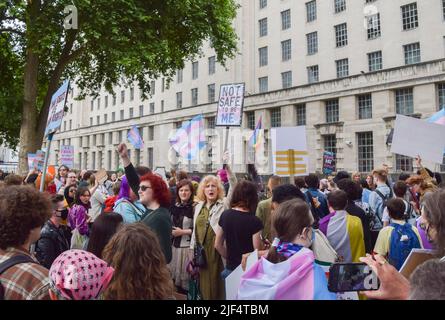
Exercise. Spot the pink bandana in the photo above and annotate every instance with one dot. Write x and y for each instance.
(79, 275)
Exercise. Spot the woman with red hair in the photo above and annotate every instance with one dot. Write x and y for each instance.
(154, 194)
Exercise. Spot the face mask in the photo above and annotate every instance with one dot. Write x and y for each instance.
(63, 214)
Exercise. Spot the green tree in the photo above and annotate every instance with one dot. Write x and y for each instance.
(116, 42)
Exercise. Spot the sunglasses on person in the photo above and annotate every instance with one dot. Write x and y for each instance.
(143, 188)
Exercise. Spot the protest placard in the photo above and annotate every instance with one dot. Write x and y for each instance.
(415, 258)
(39, 160)
(230, 105)
(289, 151)
(328, 162)
(67, 156)
(414, 137)
(233, 280)
(56, 108)
(160, 171)
(31, 157)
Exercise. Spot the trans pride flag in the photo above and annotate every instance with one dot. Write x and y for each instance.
(255, 139)
(190, 138)
(297, 278)
(135, 138)
(438, 117)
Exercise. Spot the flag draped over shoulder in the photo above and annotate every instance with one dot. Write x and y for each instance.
(190, 138)
(135, 138)
(297, 278)
(256, 138)
(345, 233)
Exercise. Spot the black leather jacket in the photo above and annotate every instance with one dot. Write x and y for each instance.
(53, 241)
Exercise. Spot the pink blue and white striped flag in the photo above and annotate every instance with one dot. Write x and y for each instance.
(135, 138)
(190, 138)
(297, 278)
(255, 140)
(438, 117)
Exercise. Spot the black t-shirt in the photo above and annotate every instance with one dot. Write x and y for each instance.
(238, 227)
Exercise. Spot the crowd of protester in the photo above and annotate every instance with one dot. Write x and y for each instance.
(139, 236)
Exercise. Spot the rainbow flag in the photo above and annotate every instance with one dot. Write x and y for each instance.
(297, 278)
(255, 139)
(190, 138)
(438, 117)
(135, 138)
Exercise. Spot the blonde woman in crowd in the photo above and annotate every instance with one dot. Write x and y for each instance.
(211, 205)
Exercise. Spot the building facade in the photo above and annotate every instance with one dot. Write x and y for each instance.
(342, 68)
(8, 159)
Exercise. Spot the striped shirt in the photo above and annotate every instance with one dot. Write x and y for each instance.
(24, 281)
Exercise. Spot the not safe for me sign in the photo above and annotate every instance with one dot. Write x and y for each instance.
(230, 105)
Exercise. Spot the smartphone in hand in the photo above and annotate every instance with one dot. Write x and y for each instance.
(344, 277)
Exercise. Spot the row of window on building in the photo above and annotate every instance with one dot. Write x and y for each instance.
(164, 85)
(375, 63)
(404, 104)
(411, 51)
(364, 141)
(409, 14)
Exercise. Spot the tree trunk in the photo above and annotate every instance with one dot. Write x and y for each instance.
(28, 142)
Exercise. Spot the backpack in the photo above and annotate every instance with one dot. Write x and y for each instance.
(138, 214)
(403, 240)
(384, 199)
(410, 214)
(5, 265)
(314, 210)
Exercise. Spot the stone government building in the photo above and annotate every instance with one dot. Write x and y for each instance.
(342, 68)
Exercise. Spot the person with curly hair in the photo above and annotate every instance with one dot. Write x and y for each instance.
(141, 271)
(23, 211)
(13, 180)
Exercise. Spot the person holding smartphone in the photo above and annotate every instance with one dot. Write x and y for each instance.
(393, 285)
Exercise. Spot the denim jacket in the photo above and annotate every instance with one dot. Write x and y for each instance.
(376, 204)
